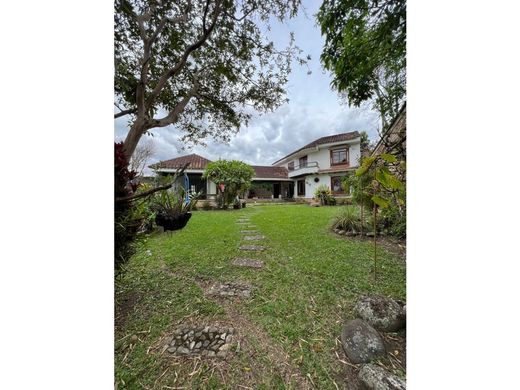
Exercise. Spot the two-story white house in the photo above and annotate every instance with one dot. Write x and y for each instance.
(323, 161)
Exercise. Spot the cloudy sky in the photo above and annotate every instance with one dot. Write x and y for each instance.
(314, 110)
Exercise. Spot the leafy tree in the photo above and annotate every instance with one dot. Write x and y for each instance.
(365, 49)
(234, 175)
(202, 65)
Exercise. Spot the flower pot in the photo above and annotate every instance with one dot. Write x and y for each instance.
(169, 222)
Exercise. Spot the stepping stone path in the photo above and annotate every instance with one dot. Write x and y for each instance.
(207, 341)
(240, 290)
(252, 263)
(253, 238)
(251, 248)
(249, 231)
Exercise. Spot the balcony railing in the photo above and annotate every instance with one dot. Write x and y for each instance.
(302, 169)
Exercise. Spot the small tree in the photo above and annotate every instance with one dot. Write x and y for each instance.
(383, 171)
(233, 176)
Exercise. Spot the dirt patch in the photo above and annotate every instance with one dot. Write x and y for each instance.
(123, 306)
(391, 244)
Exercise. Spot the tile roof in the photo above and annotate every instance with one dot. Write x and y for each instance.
(329, 139)
(195, 162)
(270, 172)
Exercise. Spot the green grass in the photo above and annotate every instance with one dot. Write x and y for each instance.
(307, 288)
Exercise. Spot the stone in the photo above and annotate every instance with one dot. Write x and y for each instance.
(183, 351)
(205, 343)
(254, 238)
(377, 378)
(225, 347)
(230, 290)
(381, 312)
(251, 248)
(172, 349)
(361, 342)
(228, 338)
(198, 345)
(370, 234)
(242, 262)
(341, 232)
(221, 354)
(248, 231)
(192, 344)
(211, 353)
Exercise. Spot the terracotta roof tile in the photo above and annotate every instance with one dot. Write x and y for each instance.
(262, 171)
(325, 140)
(195, 162)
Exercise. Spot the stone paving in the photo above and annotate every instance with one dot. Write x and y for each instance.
(241, 290)
(249, 231)
(257, 248)
(207, 341)
(253, 238)
(243, 262)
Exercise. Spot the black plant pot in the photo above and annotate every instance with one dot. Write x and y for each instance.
(169, 222)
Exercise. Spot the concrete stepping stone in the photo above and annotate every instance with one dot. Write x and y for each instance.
(225, 290)
(243, 262)
(251, 248)
(209, 341)
(254, 238)
(249, 231)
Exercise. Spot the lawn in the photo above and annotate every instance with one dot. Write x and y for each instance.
(286, 333)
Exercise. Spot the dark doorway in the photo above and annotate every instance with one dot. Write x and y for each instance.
(276, 190)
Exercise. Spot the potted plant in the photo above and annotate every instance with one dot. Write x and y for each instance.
(172, 209)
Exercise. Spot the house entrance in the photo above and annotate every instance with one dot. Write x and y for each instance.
(276, 190)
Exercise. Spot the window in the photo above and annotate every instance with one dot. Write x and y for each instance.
(339, 156)
(335, 184)
(290, 167)
(303, 162)
(301, 187)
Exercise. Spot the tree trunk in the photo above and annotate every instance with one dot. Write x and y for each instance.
(132, 138)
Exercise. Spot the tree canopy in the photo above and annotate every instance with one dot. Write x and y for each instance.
(235, 175)
(202, 65)
(365, 49)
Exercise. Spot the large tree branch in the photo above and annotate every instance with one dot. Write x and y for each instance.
(124, 112)
(173, 115)
(184, 58)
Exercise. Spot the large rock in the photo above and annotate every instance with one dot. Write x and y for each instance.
(361, 342)
(377, 378)
(382, 313)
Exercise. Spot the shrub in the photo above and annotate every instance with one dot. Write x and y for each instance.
(394, 221)
(348, 219)
(125, 219)
(324, 195)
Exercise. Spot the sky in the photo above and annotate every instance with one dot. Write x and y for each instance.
(314, 110)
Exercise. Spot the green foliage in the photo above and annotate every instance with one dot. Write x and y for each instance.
(172, 202)
(355, 185)
(393, 219)
(365, 49)
(235, 175)
(348, 219)
(204, 63)
(324, 195)
(383, 172)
